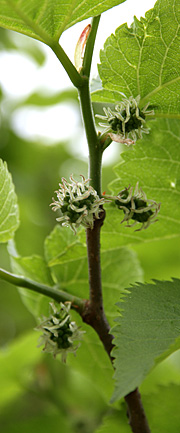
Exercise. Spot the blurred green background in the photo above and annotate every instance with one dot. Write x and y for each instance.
(39, 393)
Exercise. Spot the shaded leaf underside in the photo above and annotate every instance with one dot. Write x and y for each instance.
(70, 271)
(145, 60)
(47, 19)
(120, 267)
(154, 163)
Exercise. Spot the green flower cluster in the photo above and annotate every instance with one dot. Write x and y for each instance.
(78, 202)
(119, 126)
(127, 123)
(63, 334)
(137, 207)
(59, 332)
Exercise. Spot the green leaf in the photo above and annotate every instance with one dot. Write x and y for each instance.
(46, 422)
(63, 246)
(154, 163)
(92, 362)
(35, 268)
(67, 263)
(67, 259)
(43, 100)
(15, 363)
(119, 268)
(145, 60)
(9, 213)
(47, 20)
(15, 42)
(42, 423)
(147, 329)
(165, 373)
(162, 411)
(115, 421)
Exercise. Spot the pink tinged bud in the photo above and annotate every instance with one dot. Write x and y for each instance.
(80, 47)
(119, 139)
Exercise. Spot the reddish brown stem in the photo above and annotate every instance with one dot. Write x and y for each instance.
(94, 315)
(136, 414)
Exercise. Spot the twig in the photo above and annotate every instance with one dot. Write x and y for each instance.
(136, 414)
(93, 313)
(51, 292)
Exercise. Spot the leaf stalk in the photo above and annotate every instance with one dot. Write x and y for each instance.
(72, 72)
(52, 292)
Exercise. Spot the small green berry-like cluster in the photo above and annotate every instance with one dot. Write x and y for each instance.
(139, 205)
(59, 332)
(126, 123)
(78, 203)
(136, 207)
(134, 122)
(62, 336)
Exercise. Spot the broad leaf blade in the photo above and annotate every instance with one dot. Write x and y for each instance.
(165, 373)
(68, 265)
(15, 363)
(145, 60)
(41, 100)
(46, 20)
(63, 246)
(148, 327)
(154, 163)
(69, 268)
(33, 267)
(115, 421)
(162, 411)
(93, 362)
(9, 213)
